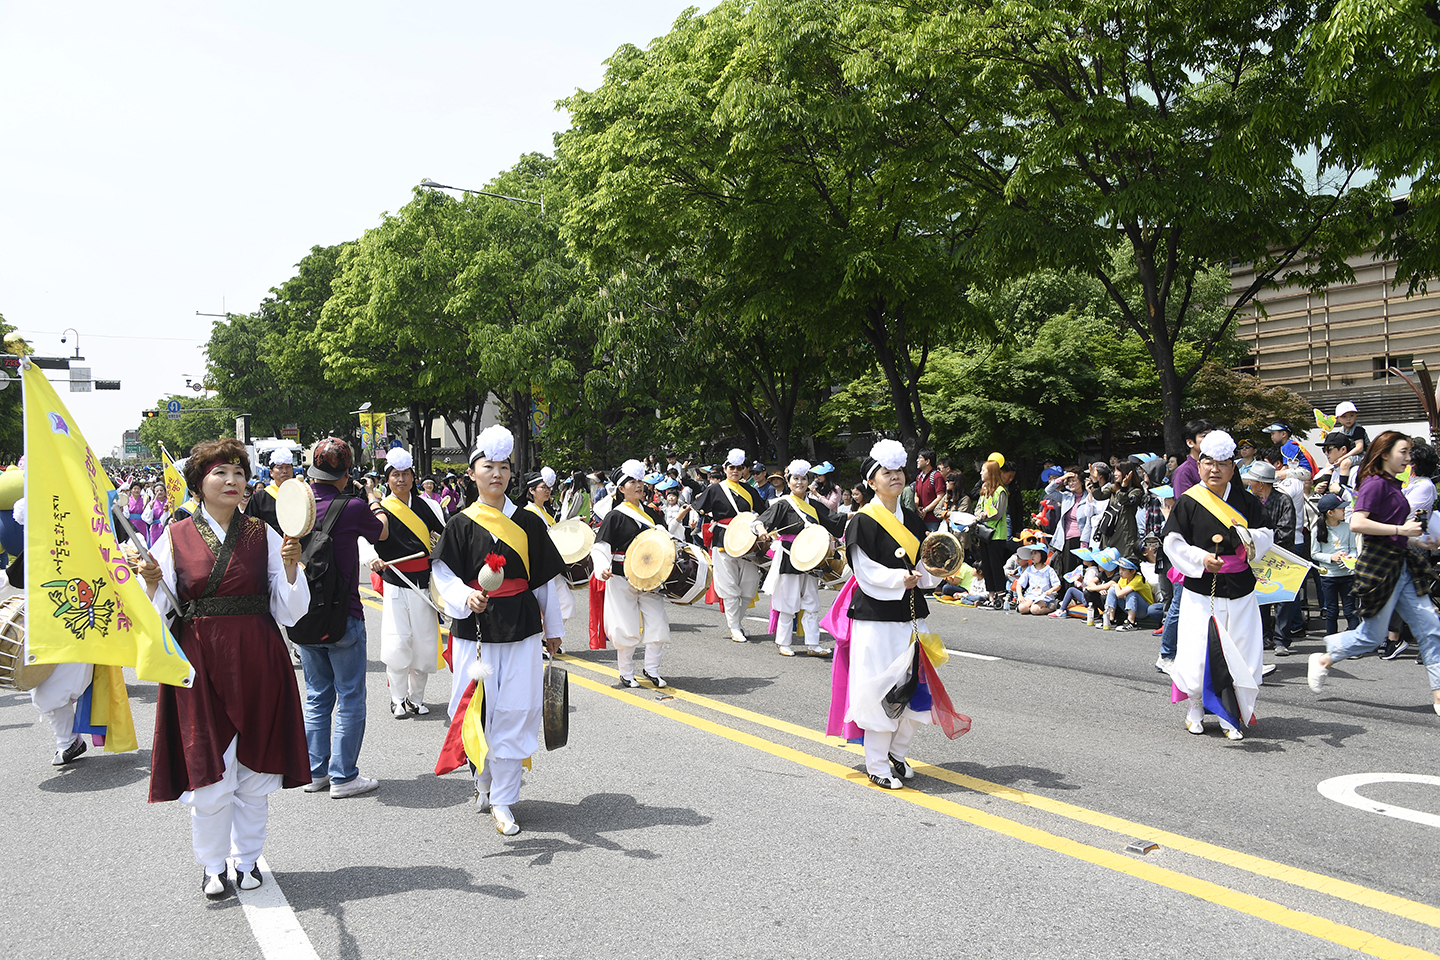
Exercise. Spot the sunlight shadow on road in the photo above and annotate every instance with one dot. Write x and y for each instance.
(585, 822)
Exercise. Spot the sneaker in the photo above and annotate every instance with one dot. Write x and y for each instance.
(250, 879)
(1437, 708)
(1316, 674)
(70, 753)
(1056, 615)
(887, 783)
(654, 678)
(1268, 669)
(1400, 647)
(1282, 649)
(1164, 665)
(214, 885)
(901, 768)
(1126, 627)
(630, 682)
(397, 709)
(353, 788)
(318, 784)
(416, 709)
(1158, 633)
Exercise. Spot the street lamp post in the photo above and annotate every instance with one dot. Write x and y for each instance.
(432, 185)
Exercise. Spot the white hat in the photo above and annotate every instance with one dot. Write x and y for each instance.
(547, 477)
(632, 470)
(736, 458)
(1218, 445)
(889, 454)
(797, 468)
(281, 455)
(494, 443)
(1344, 407)
(398, 458)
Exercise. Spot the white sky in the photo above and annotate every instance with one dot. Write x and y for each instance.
(161, 158)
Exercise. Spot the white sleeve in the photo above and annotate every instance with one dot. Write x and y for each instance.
(549, 596)
(1264, 539)
(1187, 559)
(880, 582)
(454, 591)
(288, 601)
(367, 553)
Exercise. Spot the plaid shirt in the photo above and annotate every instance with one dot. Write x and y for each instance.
(1377, 570)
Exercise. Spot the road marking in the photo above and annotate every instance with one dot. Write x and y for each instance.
(1306, 923)
(1295, 876)
(273, 922)
(972, 656)
(1342, 790)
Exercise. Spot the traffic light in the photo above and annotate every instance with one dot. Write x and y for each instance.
(107, 384)
(147, 414)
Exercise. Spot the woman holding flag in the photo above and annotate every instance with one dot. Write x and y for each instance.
(1220, 653)
(237, 733)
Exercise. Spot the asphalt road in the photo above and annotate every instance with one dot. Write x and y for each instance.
(713, 820)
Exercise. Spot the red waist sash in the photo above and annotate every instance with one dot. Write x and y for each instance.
(509, 587)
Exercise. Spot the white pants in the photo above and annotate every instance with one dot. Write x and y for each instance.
(514, 693)
(880, 745)
(1240, 618)
(796, 593)
(409, 642)
(228, 818)
(462, 654)
(880, 657)
(501, 779)
(632, 617)
(55, 698)
(736, 582)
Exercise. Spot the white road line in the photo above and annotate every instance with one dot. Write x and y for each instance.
(1342, 790)
(274, 924)
(759, 619)
(972, 656)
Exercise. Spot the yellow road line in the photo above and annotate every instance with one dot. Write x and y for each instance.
(1306, 879)
(1306, 923)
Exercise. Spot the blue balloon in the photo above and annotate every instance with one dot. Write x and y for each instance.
(12, 534)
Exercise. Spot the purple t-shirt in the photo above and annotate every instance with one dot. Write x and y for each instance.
(1382, 499)
(357, 521)
(1186, 476)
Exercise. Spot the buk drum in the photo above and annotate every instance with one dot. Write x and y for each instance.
(15, 673)
(577, 574)
(811, 547)
(691, 576)
(650, 559)
(741, 541)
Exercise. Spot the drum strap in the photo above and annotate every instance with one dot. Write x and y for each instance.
(638, 515)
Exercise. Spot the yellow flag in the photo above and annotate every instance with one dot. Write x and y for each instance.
(84, 603)
(174, 483)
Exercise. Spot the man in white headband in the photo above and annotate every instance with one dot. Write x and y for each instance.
(792, 590)
(500, 625)
(1215, 531)
(875, 620)
(737, 579)
(409, 626)
(262, 501)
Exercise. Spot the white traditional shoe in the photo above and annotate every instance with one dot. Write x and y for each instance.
(818, 651)
(1316, 674)
(505, 824)
(213, 885)
(786, 652)
(655, 679)
(1233, 733)
(739, 637)
(630, 682)
(1195, 725)
(482, 801)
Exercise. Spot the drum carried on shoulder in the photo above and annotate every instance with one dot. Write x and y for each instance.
(15, 673)
(573, 540)
(811, 547)
(741, 541)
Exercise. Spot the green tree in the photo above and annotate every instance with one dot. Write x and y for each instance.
(12, 428)
(1175, 131)
(195, 424)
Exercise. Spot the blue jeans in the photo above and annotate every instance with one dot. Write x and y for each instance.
(335, 682)
(1171, 637)
(1131, 602)
(1335, 594)
(1415, 609)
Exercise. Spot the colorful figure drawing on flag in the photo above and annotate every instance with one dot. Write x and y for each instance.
(78, 604)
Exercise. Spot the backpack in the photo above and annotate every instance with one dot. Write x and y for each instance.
(329, 613)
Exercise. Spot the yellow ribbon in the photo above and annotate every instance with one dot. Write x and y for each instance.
(541, 512)
(405, 515)
(740, 489)
(804, 507)
(1218, 508)
(502, 528)
(877, 512)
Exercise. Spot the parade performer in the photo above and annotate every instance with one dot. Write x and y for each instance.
(237, 734)
(1220, 651)
(1391, 577)
(884, 683)
(501, 627)
(541, 487)
(262, 501)
(409, 626)
(631, 616)
(791, 591)
(737, 579)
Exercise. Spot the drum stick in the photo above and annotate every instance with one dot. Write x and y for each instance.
(133, 536)
(412, 585)
(413, 556)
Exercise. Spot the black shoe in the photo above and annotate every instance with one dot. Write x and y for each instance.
(216, 887)
(901, 768)
(1400, 647)
(1269, 644)
(653, 678)
(251, 879)
(630, 683)
(887, 783)
(70, 753)
(416, 709)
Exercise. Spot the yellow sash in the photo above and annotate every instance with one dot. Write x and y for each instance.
(1218, 508)
(541, 512)
(502, 528)
(740, 489)
(405, 515)
(877, 512)
(637, 513)
(272, 489)
(804, 507)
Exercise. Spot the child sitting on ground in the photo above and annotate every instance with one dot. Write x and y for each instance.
(1039, 584)
(1130, 592)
